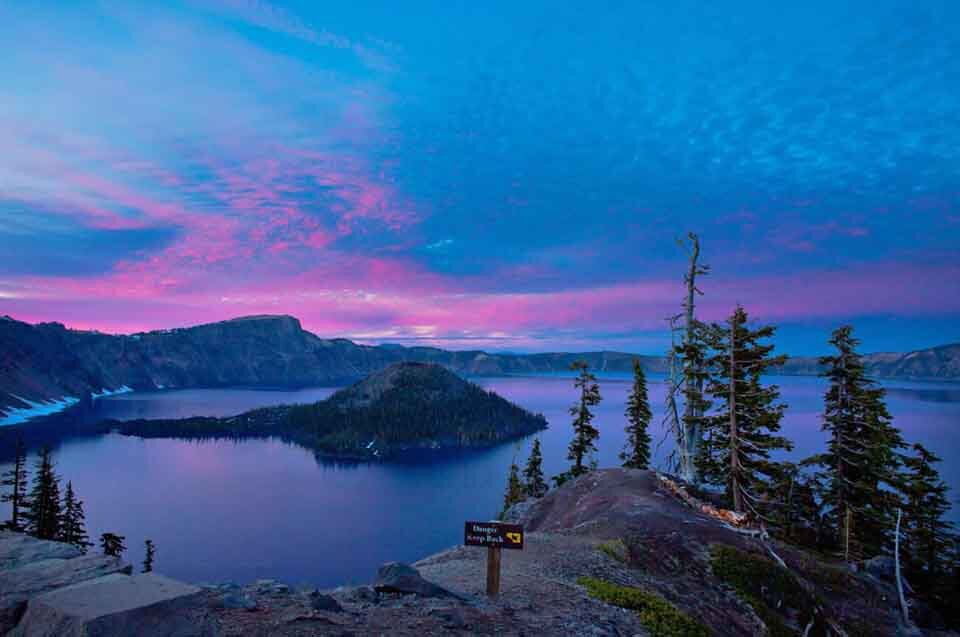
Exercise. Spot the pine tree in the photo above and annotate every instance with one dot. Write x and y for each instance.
(73, 521)
(514, 492)
(151, 551)
(44, 514)
(112, 544)
(861, 463)
(798, 514)
(928, 537)
(740, 436)
(16, 480)
(636, 455)
(533, 483)
(584, 433)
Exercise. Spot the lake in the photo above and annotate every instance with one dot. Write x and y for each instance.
(224, 510)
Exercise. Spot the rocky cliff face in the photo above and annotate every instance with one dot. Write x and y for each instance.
(937, 363)
(47, 361)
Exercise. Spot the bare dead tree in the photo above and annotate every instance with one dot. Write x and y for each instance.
(693, 371)
(896, 558)
(671, 420)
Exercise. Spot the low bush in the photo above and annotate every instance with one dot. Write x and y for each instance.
(659, 616)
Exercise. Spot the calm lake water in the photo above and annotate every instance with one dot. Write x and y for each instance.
(224, 510)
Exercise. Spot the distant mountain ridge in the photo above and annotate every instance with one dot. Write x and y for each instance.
(46, 362)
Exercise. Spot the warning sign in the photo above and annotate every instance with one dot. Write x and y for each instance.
(493, 534)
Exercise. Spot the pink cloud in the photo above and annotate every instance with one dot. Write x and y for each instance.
(388, 299)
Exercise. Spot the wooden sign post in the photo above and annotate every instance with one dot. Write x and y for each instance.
(493, 571)
(495, 536)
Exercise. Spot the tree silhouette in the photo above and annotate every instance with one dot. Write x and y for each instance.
(16, 480)
(928, 535)
(584, 433)
(43, 516)
(112, 544)
(533, 482)
(741, 434)
(861, 465)
(514, 492)
(636, 454)
(73, 521)
(151, 551)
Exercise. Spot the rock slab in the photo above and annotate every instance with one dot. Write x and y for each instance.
(17, 549)
(19, 584)
(145, 605)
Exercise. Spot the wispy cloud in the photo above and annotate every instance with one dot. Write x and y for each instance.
(506, 178)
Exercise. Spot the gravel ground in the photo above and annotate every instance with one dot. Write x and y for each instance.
(539, 596)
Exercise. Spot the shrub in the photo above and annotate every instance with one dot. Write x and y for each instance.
(659, 616)
(765, 586)
(616, 549)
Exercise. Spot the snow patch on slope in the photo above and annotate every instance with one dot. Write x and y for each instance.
(18, 415)
(111, 392)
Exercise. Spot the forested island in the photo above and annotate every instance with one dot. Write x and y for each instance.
(405, 406)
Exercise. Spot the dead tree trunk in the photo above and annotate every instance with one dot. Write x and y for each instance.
(846, 532)
(896, 559)
(671, 419)
(693, 410)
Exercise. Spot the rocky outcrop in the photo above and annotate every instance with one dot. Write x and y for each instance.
(18, 549)
(45, 574)
(685, 553)
(146, 605)
(403, 579)
(50, 589)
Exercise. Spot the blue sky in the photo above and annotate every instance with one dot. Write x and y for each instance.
(482, 174)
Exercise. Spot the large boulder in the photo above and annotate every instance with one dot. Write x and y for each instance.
(146, 605)
(396, 577)
(237, 599)
(26, 581)
(324, 602)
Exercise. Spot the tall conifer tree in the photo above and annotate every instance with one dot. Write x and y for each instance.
(514, 492)
(861, 464)
(44, 513)
(73, 521)
(636, 454)
(929, 538)
(798, 513)
(16, 481)
(533, 483)
(585, 434)
(741, 434)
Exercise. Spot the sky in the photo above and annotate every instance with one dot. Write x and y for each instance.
(497, 175)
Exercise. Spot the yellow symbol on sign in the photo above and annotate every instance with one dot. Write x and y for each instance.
(514, 537)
